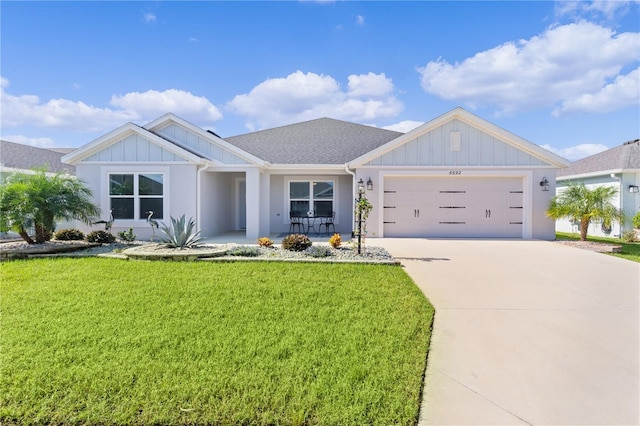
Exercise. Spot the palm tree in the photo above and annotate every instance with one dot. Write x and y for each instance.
(38, 200)
(581, 204)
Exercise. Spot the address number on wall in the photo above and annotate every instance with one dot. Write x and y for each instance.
(455, 172)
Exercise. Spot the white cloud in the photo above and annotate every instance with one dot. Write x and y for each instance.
(37, 142)
(593, 9)
(4, 83)
(360, 20)
(622, 92)
(153, 103)
(578, 152)
(301, 96)
(193, 40)
(563, 63)
(149, 17)
(404, 126)
(77, 115)
(370, 85)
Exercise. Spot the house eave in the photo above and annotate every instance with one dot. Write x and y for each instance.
(596, 174)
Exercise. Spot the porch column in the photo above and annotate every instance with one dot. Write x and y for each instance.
(265, 203)
(254, 209)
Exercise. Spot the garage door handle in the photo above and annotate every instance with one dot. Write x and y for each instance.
(416, 213)
(487, 213)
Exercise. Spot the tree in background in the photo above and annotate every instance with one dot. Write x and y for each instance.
(37, 200)
(582, 205)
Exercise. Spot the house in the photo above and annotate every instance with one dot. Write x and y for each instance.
(618, 167)
(455, 176)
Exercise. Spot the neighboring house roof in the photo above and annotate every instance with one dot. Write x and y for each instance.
(619, 158)
(16, 156)
(320, 141)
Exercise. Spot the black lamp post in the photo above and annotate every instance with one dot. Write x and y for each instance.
(360, 192)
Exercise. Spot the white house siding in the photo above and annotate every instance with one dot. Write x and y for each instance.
(179, 192)
(343, 201)
(476, 149)
(199, 145)
(134, 148)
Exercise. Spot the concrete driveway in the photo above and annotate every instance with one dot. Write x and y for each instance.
(526, 332)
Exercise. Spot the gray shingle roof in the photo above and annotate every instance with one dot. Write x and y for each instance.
(622, 157)
(320, 141)
(18, 156)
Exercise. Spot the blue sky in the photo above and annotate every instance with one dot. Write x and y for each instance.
(564, 75)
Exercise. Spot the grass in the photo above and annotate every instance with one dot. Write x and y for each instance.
(630, 251)
(102, 341)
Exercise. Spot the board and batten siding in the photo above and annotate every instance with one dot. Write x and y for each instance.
(134, 148)
(476, 148)
(199, 145)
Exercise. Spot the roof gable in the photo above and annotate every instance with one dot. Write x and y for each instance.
(203, 143)
(459, 138)
(130, 143)
(619, 158)
(321, 141)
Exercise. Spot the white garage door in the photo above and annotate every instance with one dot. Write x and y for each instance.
(453, 207)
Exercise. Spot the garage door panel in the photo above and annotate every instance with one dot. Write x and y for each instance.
(453, 207)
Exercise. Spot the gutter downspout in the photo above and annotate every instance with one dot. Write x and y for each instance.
(621, 206)
(353, 195)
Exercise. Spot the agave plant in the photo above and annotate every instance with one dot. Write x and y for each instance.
(181, 234)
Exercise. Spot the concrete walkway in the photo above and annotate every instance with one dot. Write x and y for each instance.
(526, 332)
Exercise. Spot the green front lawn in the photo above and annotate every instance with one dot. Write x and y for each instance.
(630, 251)
(102, 341)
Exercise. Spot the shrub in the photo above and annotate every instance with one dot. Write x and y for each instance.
(629, 236)
(246, 251)
(101, 237)
(69, 235)
(265, 242)
(181, 234)
(636, 220)
(335, 240)
(127, 236)
(318, 251)
(296, 242)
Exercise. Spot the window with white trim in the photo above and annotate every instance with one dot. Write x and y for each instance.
(311, 196)
(132, 195)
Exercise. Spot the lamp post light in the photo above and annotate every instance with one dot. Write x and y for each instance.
(360, 192)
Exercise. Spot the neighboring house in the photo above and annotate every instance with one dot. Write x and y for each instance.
(618, 167)
(16, 157)
(24, 158)
(455, 176)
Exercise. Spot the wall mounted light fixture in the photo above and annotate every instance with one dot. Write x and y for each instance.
(634, 188)
(544, 184)
(369, 185)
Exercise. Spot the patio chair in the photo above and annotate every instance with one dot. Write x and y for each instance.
(296, 221)
(327, 222)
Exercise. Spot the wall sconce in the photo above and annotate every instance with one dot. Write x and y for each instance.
(634, 189)
(544, 184)
(370, 185)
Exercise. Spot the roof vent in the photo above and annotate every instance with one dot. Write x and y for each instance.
(632, 142)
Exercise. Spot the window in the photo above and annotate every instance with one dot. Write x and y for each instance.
(131, 195)
(316, 196)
